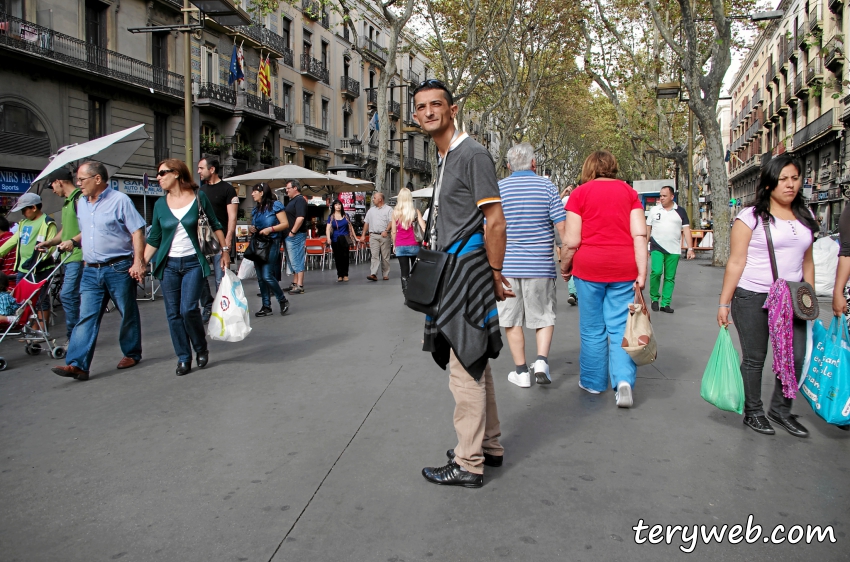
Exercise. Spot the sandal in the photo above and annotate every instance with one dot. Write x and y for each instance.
(345, 279)
(339, 279)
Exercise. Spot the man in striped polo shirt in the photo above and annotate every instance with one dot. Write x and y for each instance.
(532, 211)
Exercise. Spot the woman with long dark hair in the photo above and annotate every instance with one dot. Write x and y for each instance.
(269, 219)
(339, 225)
(779, 206)
(179, 263)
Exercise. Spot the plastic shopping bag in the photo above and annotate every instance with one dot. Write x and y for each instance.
(247, 270)
(230, 320)
(826, 386)
(722, 384)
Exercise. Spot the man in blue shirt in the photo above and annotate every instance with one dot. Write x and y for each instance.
(531, 206)
(112, 236)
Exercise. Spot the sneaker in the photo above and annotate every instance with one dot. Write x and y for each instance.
(284, 307)
(522, 380)
(298, 290)
(572, 299)
(541, 372)
(623, 396)
(265, 311)
(668, 309)
(584, 388)
(654, 306)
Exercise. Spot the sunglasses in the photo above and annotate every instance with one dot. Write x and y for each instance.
(163, 172)
(432, 83)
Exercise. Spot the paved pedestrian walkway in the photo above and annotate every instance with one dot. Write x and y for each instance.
(306, 442)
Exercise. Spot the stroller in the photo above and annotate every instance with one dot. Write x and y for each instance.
(27, 292)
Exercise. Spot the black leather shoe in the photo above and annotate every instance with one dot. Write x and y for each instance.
(265, 311)
(790, 424)
(654, 306)
(489, 460)
(667, 309)
(203, 358)
(183, 367)
(452, 475)
(760, 424)
(284, 307)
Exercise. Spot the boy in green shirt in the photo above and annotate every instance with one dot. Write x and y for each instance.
(36, 227)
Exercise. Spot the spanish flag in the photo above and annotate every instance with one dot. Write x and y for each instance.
(264, 77)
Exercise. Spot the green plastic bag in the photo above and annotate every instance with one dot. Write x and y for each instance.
(722, 384)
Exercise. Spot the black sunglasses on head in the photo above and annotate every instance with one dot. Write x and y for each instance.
(433, 83)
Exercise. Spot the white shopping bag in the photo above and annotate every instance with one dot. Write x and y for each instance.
(247, 270)
(230, 320)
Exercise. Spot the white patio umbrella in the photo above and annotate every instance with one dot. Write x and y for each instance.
(424, 193)
(350, 184)
(112, 150)
(279, 176)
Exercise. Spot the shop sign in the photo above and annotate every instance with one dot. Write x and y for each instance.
(823, 195)
(16, 181)
(347, 200)
(135, 187)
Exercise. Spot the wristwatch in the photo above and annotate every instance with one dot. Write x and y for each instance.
(76, 243)
(226, 248)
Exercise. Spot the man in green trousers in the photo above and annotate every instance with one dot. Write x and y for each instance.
(666, 223)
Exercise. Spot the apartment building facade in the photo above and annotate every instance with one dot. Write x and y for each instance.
(789, 95)
(72, 72)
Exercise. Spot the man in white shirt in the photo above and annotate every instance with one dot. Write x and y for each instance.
(666, 223)
(378, 226)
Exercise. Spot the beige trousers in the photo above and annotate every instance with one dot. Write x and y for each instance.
(476, 418)
(380, 248)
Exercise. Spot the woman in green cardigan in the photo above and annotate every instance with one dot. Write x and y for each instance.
(179, 263)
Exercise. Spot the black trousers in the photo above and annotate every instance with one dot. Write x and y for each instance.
(750, 320)
(341, 256)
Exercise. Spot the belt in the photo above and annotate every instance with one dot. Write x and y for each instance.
(376, 232)
(108, 262)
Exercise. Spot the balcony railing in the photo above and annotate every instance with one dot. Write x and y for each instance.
(800, 85)
(815, 17)
(325, 20)
(834, 52)
(257, 103)
(264, 37)
(372, 47)
(412, 77)
(46, 43)
(225, 95)
(394, 109)
(756, 98)
(311, 9)
(349, 87)
(814, 72)
(802, 29)
(789, 94)
(314, 136)
(279, 113)
(288, 56)
(791, 49)
(314, 68)
(814, 129)
(416, 164)
(770, 110)
(372, 98)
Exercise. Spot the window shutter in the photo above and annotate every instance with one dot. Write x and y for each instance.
(216, 72)
(203, 64)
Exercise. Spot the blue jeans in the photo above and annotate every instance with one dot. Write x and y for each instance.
(296, 251)
(97, 286)
(207, 296)
(70, 294)
(266, 275)
(181, 289)
(602, 359)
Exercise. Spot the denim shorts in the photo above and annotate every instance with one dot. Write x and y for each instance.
(296, 250)
(406, 250)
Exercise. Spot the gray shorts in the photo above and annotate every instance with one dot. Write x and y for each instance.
(533, 306)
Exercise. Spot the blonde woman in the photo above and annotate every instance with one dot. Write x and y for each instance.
(403, 233)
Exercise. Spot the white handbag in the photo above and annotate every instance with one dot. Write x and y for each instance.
(230, 319)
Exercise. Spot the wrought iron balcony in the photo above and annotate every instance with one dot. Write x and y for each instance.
(789, 94)
(372, 98)
(416, 164)
(801, 86)
(814, 129)
(314, 68)
(791, 49)
(412, 77)
(215, 94)
(44, 43)
(815, 18)
(288, 56)
(834, 53)
(279, 113)
(259, 36)
(257, 103)
(325, 20)
(311, 9)
(814, 72)
(394, 109)
(312, 136)
(372, 47)
(802, 29)
(770, 110)
(349, 87)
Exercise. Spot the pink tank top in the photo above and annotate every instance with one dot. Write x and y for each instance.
(405, 236)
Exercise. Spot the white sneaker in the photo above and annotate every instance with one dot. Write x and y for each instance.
(587, 389)
(522, 380)
(541, 372)
(623, 396)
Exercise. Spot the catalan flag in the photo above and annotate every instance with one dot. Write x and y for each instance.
(264, 77)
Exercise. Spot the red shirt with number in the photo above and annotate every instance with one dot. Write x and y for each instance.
(607, 251)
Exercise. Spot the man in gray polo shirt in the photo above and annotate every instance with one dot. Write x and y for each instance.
(379, 225)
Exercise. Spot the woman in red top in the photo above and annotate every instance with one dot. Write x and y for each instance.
(605, 251)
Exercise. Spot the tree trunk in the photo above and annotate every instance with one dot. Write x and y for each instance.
(719, 190)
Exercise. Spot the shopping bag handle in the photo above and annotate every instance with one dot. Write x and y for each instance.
(639, 299)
